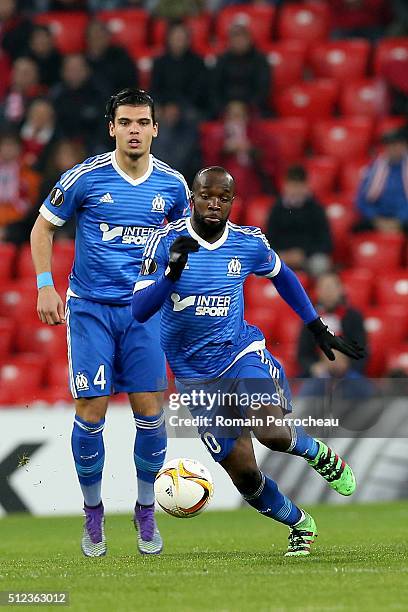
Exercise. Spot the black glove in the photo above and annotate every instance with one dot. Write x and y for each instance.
(328, 341)
(179, 250)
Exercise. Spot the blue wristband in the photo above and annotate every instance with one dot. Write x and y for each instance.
(44, 280)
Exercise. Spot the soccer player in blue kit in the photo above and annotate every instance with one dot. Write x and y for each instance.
(210, 347)
(119, 199)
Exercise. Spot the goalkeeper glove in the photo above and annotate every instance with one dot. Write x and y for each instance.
(328, 341)
(179, 250)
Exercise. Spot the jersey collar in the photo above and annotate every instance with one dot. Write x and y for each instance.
(210, 246)
(128, 178)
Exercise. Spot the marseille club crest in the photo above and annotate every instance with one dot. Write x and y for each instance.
(158, 203)
(234, 267)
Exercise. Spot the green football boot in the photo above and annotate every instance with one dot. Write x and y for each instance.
(334, 470)
(301, 537)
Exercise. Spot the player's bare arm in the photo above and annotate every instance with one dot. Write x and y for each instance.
(50, 307)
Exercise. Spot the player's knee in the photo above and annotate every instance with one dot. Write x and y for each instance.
(91, 410)
(275, 438)
(247, 480)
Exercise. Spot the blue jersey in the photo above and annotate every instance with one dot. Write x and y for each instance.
(115, 215)
(203, 331)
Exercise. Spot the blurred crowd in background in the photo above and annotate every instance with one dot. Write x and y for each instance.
(52, 99)
(305, 103)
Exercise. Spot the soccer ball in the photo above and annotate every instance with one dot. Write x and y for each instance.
(183, 487)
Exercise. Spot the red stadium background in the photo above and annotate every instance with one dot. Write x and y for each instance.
(330, 102)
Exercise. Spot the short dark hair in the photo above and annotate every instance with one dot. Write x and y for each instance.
(132, 97)
(397, 135)
(296, 173)
(41, 27)
(10, 133)
(214, 169)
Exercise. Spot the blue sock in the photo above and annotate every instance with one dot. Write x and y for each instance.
(89, 455)
(149, 453)
(302, 444)
(269, 501)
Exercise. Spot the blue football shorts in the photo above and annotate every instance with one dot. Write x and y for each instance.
(236, 395)
(110, 352)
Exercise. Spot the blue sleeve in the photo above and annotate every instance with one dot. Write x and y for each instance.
(65, 197)
(291, 290)
(148, 300)
(366, 208)
(181, 206)
(152, 287)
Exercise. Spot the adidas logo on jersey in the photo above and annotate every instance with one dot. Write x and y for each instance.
(107, 199)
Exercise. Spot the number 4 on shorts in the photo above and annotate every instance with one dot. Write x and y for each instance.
(100, 379)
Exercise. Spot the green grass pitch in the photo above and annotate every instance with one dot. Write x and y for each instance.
(220, 561)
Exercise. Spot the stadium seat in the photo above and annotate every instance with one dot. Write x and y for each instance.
(376, 340)
(299, 21)
(364, 98)
(343, 60)
(288, 134)
(286, 355)
(341, 218)
(42, 339)
(351, 173)
(264, 318)
(288, 325)
(392, 288)
(238, 211)
(158, 34)
(22, 373)
(358, 284)
(389, 50)
(68, 29)
(309, 100)
(6, 337)
(200, 29)
(257, 211)
(392, 318)
(344, 199)
(211, 138)
(64, 248)
(344, 138)
(397, 359)
(25, 267)
(322, 173)
(58, 374)
(287, 59)
(18, 300)
(386, 329)
(128, 28)
(5, 71)
(53, 396)
(7, 255)
(62, 258)
(144, 65)
(258, 18)
(260, 292)
(57, 383)
(377, 251)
